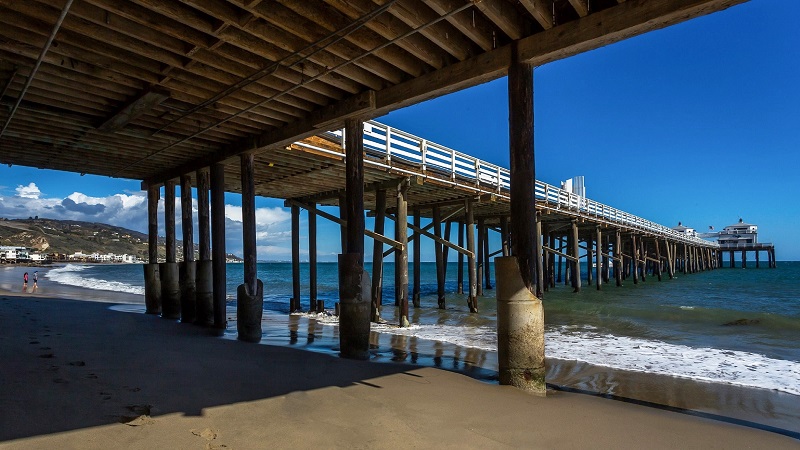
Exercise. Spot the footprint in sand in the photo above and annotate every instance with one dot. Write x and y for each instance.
(206, 433)
(77, 363)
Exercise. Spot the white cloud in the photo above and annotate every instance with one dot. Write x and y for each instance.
(129, 210)
(29, 191)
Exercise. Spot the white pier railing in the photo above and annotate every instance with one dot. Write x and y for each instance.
(391, 144)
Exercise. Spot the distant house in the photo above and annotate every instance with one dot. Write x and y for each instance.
(685, 230)
(738, 233)
(13, 254)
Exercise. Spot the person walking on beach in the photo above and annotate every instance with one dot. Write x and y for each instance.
(35, 280)
(25, 282)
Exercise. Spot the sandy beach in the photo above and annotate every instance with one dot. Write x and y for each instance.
(85, 374)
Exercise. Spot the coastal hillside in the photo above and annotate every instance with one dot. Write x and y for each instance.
(69, 236)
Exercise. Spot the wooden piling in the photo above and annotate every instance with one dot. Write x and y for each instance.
(479, 262)
(618, 258)
(634, 259)
(170, 283)
(437, 231)
(460, 258)
(744, 259)
(169, 221)
(757, 259)
(204, 292)
(504, 236)
(472, 298)
(188, 268)
(218, 255)
(152, 279)
(598, 257)
(415, 296)
(589, 253)
(295, 301)
(312, 260)
(539, 257)
(377, 256)
(670, 268)
(250, 294)
(576, 267)
(401, 256)
(487, 272)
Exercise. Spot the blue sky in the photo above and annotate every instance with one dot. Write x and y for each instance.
(698, 123)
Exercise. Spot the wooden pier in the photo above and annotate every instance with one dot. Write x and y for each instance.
(229, 95)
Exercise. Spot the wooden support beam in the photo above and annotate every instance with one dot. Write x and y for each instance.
(295, 301)
(481, 270)
(440, 240)
(415, 295)
(581, 7)
(596, 30)
(354, 185)
(187, 224)
(437, 246)
(460, 288)
(152, 224)
(472, 298)
(377, 256)
(169, 220)
(401, 257)
(598, 257)
(326, 118)
(342, 222)
(618, 259)
(312, 261)
(218, 255)
(204, 238)
(576, 266)
(415, 235)
(504, 15)
(540, 11)
(249, 223)
(143, 104)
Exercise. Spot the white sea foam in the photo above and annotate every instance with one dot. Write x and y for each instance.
(71, 275)
(626, 353)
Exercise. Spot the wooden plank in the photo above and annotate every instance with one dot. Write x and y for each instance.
(540, 12)
(134, 109)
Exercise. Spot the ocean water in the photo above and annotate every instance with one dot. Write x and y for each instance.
(730, 326)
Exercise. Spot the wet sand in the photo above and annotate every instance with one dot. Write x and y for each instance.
(723, 404)
(79, 374)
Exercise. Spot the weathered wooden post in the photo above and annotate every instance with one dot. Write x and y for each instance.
(250, 294)
(744, 259)
(576, 265)
(437, 246)
(520, 315)
(589, 253)
(218, 255)
(670, 267)
(312, 260)
(560, 259)
(504, 236)
(618, 258)
(417, 260)
(204, 292)
(539, 256)
(487, 272)
(445, 249)
(757, 261)
(551, 263)
(354, 284)
(170, 282)
(479, 265)
(643, 258)
(401, 255)
(598, 257)
(472, 298)
(460, 258)
(188, 268)
(634, 259)
(152, 279)
(544, 232)
(657, 267)
(377, 256)
(294, 304)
